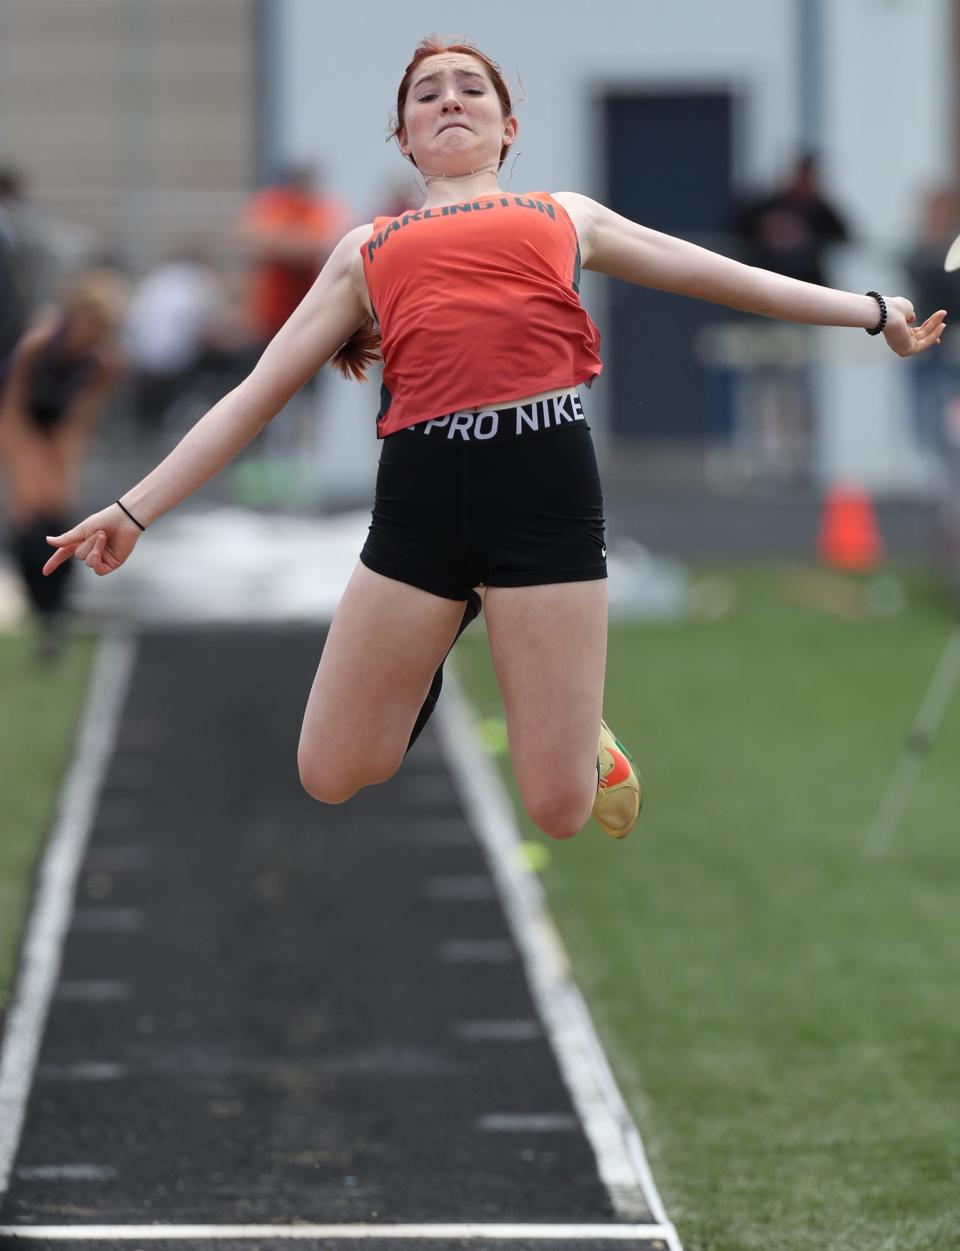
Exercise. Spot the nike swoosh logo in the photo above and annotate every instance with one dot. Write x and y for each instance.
(620, 771)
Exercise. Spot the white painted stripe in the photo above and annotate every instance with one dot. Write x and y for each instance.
(119, 812)
(430, 831)
(83, 1071)
(621, 1160)
(528, 1122)
(50, 915)
(67, 1172)
(112, 920)
(459, 888)
(118, 859)
(132, 772)
(476, 951)
(497, 1031)
(172, 1233)
(103, 991)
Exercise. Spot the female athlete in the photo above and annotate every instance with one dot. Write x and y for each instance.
(487, 474)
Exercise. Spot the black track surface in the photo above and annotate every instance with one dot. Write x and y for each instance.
(285, 1037)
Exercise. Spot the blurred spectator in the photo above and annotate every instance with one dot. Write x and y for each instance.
(52, 390)
(12, 311)
(791, 229)
(289, 229)
(30, 254)
(171, 326)
(935, 375)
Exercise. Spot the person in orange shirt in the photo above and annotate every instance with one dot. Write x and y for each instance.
(289, 229)
(487, 473)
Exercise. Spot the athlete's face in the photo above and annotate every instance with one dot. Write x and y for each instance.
(452, 117)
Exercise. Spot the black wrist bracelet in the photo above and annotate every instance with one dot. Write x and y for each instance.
(131, 516)
(883, 312)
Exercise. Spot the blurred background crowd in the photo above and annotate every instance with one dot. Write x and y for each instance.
(173, 174)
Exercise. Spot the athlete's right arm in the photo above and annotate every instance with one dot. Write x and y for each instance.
(326, 317)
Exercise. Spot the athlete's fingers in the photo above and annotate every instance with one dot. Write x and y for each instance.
(59, 557)
(69, 536)
(94, 550)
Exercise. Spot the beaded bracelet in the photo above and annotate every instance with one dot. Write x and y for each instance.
(883, 312)
(131, 516)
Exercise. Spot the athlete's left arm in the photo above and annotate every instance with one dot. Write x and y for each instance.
(614, 245)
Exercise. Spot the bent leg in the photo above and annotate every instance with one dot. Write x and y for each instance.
(385, 644)
(549, 647)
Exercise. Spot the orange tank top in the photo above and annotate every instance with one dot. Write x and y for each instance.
(478, 305)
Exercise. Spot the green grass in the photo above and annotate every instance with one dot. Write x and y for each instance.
(38, 718)
(783, 1016)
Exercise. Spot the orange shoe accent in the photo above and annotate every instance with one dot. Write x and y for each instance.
(620, 771)
(849, 536)
(619, 789)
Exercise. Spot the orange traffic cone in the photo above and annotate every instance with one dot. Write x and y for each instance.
(849, 537)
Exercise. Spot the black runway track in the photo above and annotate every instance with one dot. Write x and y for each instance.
(273, 1012)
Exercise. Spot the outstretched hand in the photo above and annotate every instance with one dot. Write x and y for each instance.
(900, 333)
(102, 542)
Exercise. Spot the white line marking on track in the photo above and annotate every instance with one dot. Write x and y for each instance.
(67, 1172)
(118, 859)
(497, 1031)
(102, 991)
(108, 920)
(172, 1233)
(528, 1122)
(119, 812)
(50, 915)
(83, 1071)
(476, 951)
(621, 1160)
(459, 888)
(436, 832)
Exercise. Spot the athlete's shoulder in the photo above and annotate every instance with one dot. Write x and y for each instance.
(348, 248)
(580, 207)
(346, 260)
(586, 215)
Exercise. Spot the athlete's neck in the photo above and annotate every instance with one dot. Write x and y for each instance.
(455, 188)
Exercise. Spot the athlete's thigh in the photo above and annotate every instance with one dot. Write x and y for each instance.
(549, 646)
(384, 645)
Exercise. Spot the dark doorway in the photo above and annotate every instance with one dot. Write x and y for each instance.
(668, 166)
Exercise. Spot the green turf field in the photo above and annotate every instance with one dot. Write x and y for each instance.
(39, 709)
(783, 1016)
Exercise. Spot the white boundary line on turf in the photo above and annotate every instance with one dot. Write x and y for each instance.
(165, 1233)
(50, 915)
(621, 1159)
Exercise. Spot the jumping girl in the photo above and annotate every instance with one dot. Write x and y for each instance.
(487, 473)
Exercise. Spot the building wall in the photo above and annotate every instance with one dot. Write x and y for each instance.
(134, 121)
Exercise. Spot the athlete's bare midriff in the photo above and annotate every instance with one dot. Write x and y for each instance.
(527, 399)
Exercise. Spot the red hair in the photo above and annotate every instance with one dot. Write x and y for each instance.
(362, 349)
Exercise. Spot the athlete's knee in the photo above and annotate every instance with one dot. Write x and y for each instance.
(561, 811)
(329, 783)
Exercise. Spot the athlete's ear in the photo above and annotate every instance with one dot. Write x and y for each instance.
(402, 141)
(510, 128)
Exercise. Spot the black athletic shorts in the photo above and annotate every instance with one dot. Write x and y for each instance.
(503, 497)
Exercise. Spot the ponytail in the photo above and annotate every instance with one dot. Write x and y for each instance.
(360, 351)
